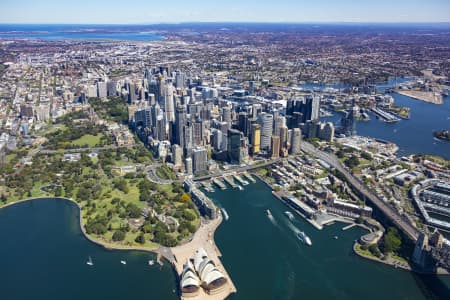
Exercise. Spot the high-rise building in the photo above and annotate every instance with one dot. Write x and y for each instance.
(275, 140)
(169, 106)
(256, 138)
(26, 111)
(266, 122)
(226, 116)
(296, 140)
(177, 155)
(244, 123)
(102, 89)
(199, 159)
(326, 131)
(312, 106)
(234, 146)
(217, 139)
(278, 123)
(112, 89)
(189, 166)
(180, 123)
(180, 80)
(92, 91)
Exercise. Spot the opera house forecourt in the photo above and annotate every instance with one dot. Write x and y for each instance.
(201, 272)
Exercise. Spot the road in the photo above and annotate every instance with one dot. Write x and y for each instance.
(401, 222)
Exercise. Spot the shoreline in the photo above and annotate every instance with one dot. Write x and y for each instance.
(428, 97)
(105, 245)
(392, 264)
(161, 252)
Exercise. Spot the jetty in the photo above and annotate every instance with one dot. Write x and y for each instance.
(385, 116)
(249, 177)
(219, 183)
(230, 181)
(240, 180)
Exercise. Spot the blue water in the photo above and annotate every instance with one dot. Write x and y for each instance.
(381, 87)
(414, 135)
(79, 32)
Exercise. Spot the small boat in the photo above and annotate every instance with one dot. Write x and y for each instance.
(268, 213)
(304, 238)
(289, 215)
(336, 237)
(123, 262)
(151, 262)
(89, 262)
(240, 188)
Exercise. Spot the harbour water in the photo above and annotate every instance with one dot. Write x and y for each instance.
(414, 135)
(267, 261)
(79, 32)
(43, 256)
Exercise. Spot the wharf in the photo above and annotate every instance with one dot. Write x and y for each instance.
(249, 177)
(240, 180)
(230, 181)
(349, 226)
(219, 183)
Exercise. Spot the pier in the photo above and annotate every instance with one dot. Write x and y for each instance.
(208, 186)
(385, 116)
(230, 181)
(249, 177)
(240, 180)
(219, 183)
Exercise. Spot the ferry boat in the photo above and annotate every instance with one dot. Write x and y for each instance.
(289, 215)
(304, 238)
(89, 262)
(225, 214)
(268, 213)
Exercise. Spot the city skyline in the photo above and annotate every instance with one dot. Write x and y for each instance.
(284, 11)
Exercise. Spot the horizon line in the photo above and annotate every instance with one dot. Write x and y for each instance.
(247, 22)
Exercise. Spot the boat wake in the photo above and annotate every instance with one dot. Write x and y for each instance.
(298, 233)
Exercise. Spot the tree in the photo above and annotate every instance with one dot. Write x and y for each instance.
(185, 197)
(133, 211)
(392, 240)
(118, 235)
(140, 239)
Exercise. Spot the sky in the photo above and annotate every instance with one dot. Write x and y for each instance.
(177, 11)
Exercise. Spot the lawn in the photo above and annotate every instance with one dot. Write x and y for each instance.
(90, 140)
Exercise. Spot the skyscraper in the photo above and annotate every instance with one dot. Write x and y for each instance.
(199, 159)
(266, 122)
(256, 138)
(180, 123)
(169, 102)
(296, 140)
(275, 141)
(234, 146)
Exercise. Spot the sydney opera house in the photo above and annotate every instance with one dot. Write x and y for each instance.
(201, 272)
